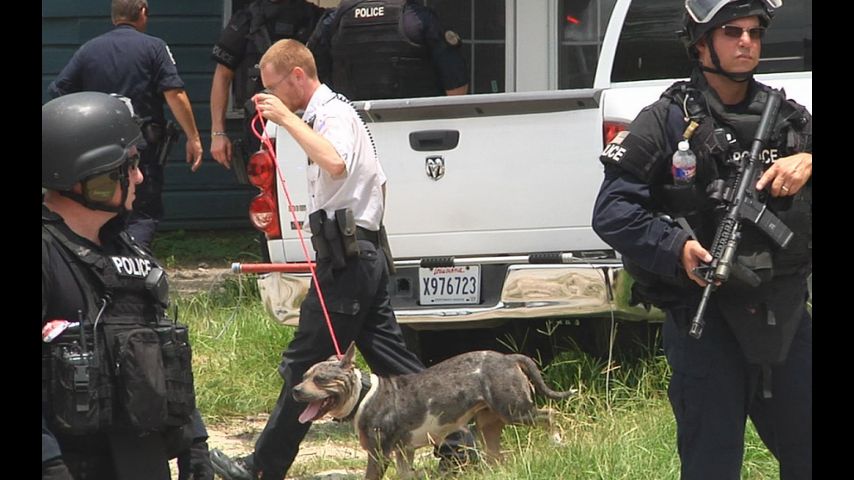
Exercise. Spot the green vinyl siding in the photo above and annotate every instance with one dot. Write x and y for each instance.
(211, 197)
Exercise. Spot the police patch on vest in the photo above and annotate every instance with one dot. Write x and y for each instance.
(132, 266)
(766, 156)
(369, 12)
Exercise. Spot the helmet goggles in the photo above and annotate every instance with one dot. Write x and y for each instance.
(702, 11)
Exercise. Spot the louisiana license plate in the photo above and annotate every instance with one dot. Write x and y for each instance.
(449, 285)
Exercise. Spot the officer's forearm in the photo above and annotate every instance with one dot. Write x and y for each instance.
(222, 79)
(179, 103)
(318, 148)
(458, 91)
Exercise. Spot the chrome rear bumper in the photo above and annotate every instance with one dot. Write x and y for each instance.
(594, 289)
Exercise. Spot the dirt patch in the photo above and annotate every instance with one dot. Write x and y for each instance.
(327, 440)
(188, 281)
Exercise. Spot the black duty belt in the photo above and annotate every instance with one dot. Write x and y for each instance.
(365, 234)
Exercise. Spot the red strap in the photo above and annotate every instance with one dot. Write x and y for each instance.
(265, 142)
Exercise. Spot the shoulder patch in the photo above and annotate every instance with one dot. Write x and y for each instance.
(632, 153)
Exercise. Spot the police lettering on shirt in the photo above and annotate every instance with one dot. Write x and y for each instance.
(614, 151)
(132, 266)
(368, 12)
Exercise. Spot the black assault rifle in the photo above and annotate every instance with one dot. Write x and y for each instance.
(744, 204)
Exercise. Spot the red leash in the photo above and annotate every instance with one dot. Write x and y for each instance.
(268, 147)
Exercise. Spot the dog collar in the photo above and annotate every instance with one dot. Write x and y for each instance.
(366, 387)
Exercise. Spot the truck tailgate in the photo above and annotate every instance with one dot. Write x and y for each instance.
(524, 165)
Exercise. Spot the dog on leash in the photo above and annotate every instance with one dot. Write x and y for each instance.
(401, 413)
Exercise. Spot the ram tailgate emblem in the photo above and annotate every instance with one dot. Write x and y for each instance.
(435, 167)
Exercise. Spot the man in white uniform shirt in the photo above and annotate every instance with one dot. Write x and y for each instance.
(346, 187)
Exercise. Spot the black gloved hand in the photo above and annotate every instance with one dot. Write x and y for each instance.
(199, 462)
(55, 469)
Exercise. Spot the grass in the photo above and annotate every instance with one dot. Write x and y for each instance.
(621, 428)
(216, 248)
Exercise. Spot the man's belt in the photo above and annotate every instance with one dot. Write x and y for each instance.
(365, 234)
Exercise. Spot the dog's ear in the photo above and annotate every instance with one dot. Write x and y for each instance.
(349, 355)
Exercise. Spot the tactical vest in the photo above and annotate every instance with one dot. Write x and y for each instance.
(128, 367)
(373, 59)
(269, 23)
(764, 317)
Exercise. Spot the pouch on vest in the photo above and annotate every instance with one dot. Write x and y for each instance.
(683, 200)
(141, 377)
(764, 320)
(177, 364)
(80, 390)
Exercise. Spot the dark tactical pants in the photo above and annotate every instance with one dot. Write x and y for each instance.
(148, 204)
(116, 456)
(358, 303)
(713, 391)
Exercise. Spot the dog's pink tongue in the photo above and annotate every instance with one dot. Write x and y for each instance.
(310, 412)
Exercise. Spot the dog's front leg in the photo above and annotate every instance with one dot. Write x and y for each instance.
(405, 457)
(377, 464)
(378, 457)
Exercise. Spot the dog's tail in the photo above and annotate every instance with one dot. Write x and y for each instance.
(533, 373)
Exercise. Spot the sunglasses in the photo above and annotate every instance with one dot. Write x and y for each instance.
(733, 31)
(100, 188)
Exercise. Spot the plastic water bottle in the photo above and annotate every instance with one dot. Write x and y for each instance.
(684, 164)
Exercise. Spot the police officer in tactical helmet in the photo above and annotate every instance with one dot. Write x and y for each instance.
(375, 49)
(127, 61)
(754, 357)
(249, 33)
(105, 414)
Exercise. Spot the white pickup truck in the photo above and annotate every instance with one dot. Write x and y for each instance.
(491, 194)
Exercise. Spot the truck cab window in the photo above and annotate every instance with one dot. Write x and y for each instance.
(481, 25)
(581, 28)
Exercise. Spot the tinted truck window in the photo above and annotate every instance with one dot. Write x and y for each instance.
(581, 28)
(649, 47)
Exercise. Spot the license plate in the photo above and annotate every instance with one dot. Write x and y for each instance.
(449, 285)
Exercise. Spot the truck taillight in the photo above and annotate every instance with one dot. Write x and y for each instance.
(261, 170)
(610, 130)
(264, 214)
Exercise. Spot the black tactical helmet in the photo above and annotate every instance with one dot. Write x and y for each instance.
(85, 134)
(704, 15)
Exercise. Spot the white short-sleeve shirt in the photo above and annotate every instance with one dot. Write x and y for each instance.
(359, 188)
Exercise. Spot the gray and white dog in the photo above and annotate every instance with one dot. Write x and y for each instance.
(401, 413)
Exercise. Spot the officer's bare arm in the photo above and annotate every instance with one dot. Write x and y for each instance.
(179, 103)
(318, 148)
(220, 144)
(458, 91)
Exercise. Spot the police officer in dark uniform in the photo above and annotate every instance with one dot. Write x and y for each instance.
(249, 33)
(754, 357)
(138, 66)
(379, 49)
(117, 384)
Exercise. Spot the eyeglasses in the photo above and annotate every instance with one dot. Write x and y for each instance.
(133, 161)
(272, 87)
(734, 31)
